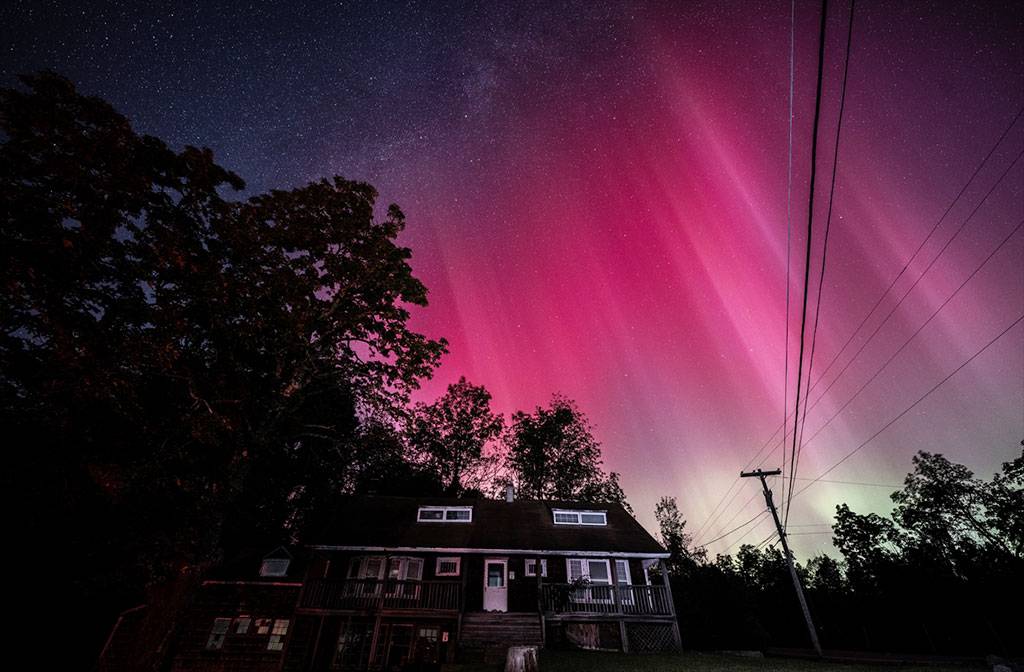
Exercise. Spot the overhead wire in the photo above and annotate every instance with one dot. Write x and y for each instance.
(810, 225)
(911, 407)
(895, 354)
(795, 463)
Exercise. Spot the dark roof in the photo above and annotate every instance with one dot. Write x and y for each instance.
(390, 522)
(246, 564)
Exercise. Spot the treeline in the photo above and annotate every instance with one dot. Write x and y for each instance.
(185, 374)
(944, 574)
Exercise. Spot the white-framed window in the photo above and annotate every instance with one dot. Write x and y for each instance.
(531, 567)
(570, 517)
(277, 633)
(218, 633)
(448, 566)
(275, 567)
(445, 514)
(366, 567)
(597, 573)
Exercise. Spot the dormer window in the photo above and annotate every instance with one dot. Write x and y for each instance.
(275, 567)
(445, 514)
(569, 517)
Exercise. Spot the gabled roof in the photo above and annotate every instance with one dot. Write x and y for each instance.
(390, 523)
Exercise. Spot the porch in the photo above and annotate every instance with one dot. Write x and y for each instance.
(372, 595)
(623, 600)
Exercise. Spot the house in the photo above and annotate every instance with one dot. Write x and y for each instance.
(404, 583)
(395, 581)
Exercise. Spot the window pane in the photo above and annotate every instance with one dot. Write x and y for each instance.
(593, 519)
(495, 575)
(414, 569)
(622, 569)
(575, 569)
(566, 518)
(599, 572)
(458, 514)
(431, 514)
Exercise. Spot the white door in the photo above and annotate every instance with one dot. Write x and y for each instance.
(496, 584)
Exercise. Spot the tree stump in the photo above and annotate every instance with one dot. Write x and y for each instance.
(522, 659)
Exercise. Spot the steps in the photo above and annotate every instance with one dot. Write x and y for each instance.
(486, 636)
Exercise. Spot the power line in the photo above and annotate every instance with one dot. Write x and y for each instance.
(789, 224)
(893, 356)
(924, 241)
(876, 485)
(794, 465)
(867, 316)
(737, 528)
(913, 405)
(735, 514)
(810, 224)
(959, 230)
(718, 510)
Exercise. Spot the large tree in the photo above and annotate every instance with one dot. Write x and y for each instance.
(552, 454)
(674, 537)
(450, 434)
(178, 369)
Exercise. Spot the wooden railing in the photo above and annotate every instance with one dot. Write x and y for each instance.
(637, 600)
(373, 595)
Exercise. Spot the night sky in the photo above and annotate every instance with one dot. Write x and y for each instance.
(597, 200)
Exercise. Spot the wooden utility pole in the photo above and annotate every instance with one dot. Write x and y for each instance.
(785, 548)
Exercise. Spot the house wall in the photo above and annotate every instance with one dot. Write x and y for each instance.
(239, 651)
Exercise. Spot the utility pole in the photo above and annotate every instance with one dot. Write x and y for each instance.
(785, 547)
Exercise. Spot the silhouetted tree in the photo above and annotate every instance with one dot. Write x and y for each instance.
(672, 529)
(450, 434)
(552, 454)
(177, 369)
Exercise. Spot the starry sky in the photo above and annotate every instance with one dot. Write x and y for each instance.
(597, 200)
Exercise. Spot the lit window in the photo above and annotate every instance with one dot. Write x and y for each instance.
(531, 567)
(242, 625)
(217, 634)
(448, 566)
(263, 626)
(275, 567)
(448, 514)
(567, 517)
(276, 641)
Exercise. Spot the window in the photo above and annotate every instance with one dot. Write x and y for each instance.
(276, 641)
(242, 625)
(597, 574)
(263, 626)
(446, 514)
(448, 566)
(275, 567)
(531, 567)
(567, 517)
(218, 632)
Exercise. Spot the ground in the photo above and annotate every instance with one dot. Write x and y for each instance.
(584, 661)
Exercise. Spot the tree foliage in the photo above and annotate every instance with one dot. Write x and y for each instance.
(679, 544)
(941, 575)
(180, 369)
(450, 434)
(552, 454)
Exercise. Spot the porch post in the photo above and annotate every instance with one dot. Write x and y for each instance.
(671, 604)
(538, 569)
(617, 594)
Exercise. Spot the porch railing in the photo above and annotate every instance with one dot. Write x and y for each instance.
(638, 600)
(368, 594)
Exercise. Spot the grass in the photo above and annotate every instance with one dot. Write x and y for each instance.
(591, 661)
(587, 661)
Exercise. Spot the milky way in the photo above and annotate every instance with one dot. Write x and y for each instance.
(597, 200)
